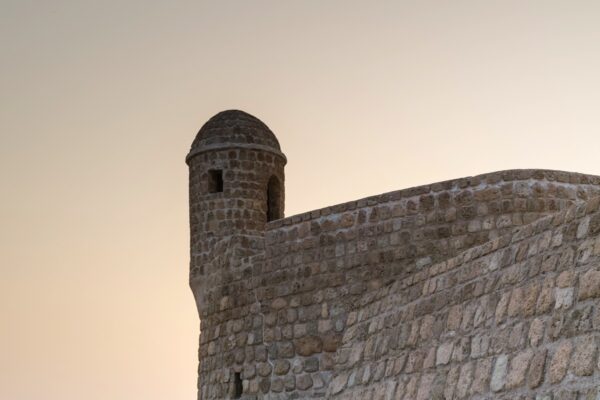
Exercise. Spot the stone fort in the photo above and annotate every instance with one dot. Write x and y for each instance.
(486, 287)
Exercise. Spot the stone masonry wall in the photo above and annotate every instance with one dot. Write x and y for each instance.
(312, 315)
(515, 318)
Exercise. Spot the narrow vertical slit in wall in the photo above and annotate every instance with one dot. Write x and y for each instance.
(238, 388)
(215, 181)
(274, 199)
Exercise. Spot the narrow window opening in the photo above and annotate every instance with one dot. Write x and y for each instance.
(215, 181)
(238, 388)
(274, 205)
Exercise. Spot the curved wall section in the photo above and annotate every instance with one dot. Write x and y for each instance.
(515, 318)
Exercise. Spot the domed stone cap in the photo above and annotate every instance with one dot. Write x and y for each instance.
(234, 129)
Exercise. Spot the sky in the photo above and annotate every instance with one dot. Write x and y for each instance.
(100, 101)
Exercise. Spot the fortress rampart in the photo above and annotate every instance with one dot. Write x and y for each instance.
(517, 317)
(474, 288)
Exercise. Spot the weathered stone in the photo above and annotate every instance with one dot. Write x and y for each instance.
(300, 330)
(565, 279)
(517, 336)
(297, 366)
(464, 380)
(264, 385)
(414, 362)
(411, 387)
(564, 298)
(560, 362)
(304, 382)
(331, 342)
(483, 371)
(427, 327)
(289, 383)
(461, 350)
(444, 352)
(311, 364)
(425, 387)
(285, 349)
(338, 383)
(454, 318)
(516, 302)
(308, 345)
(584, 357)
(499, 373)
(279, 304)
(536, 332)
(281, 367)
(264, 369)
(318, 381)
(530, 296)
(518, 369)
(277, 385)
(399, 364)
(546, 297)
(451, 382)
(536, 370)
(583, 227)
(502, 307)
(249, 371)
(355, 355)
(589, 285)
(479, 346)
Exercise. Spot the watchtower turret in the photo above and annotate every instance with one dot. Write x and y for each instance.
(236, 187)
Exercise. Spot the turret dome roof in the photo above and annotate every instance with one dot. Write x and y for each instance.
(234, 127)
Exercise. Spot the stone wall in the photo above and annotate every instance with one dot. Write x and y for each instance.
(314, 313)
(515, 318)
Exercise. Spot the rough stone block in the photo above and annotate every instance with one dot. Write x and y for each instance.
(499, 374)
(518, 369)
(584, 357)
(560, 362)
(536, 370)
(589, 285)
(444, 352)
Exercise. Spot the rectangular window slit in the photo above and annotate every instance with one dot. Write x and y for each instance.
(238, 388)
(215, 181)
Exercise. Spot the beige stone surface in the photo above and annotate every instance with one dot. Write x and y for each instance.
(536, 370)
(584, 357)
(560, 362)
(590, 284)
(518, 369)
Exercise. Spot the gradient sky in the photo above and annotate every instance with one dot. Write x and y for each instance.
(100, 101)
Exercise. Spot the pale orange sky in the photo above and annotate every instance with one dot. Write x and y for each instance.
(100, 101)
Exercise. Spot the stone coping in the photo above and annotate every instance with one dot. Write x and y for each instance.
(512, 175)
